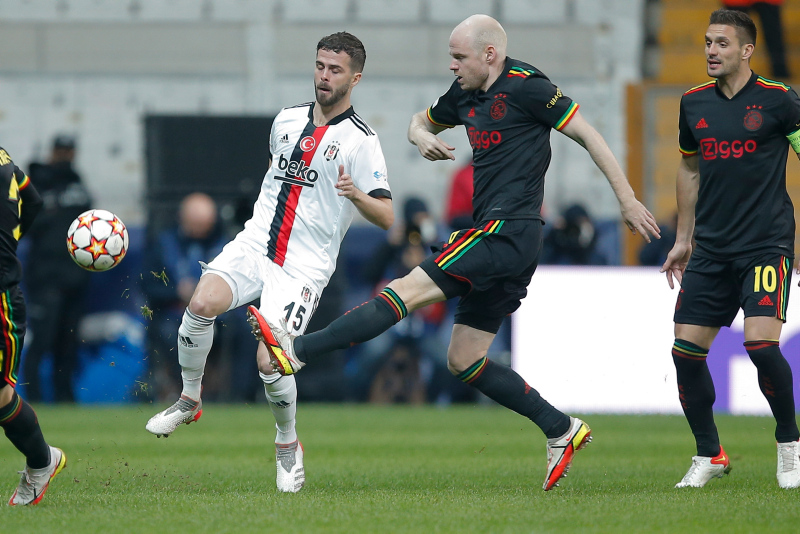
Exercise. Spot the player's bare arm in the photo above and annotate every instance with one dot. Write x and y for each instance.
(688, 184)
(422, 133)
(635, 215)
(378, 211)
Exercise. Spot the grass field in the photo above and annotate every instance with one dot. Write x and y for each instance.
(392, 469)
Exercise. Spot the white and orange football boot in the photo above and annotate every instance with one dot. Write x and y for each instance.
(561, 451)
(278, 341)
(34, 482)
(704, 469)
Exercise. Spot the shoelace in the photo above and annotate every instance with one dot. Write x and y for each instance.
(788, 458)
(692, 471)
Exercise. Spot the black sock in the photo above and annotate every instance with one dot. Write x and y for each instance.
(697, 395)
(22, 428)
(360, 324)
(504, 386)
(775, 381)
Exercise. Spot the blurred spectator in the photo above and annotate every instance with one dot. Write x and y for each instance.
(459, 199)
(572, 239)
(172, 268)
(769, 11)
(655, 252)
(408, 362)
(56, 286)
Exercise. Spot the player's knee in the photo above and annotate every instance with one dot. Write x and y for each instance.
(6, 394)
(206, 304)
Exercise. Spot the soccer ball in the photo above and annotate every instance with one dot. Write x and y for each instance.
(97, 240)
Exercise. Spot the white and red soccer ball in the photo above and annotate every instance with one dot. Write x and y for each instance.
(97, 240)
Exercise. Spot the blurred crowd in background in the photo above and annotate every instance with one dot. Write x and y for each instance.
(111, 337)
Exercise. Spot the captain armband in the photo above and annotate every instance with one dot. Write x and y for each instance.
(794, 140)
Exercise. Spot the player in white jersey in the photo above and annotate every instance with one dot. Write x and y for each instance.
(326, 163)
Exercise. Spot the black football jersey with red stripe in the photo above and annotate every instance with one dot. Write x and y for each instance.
(742, 144)
(509, 131)
(22, 204)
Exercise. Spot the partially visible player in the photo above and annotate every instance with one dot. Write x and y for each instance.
(19, 422)
(735, 133)
(326, 163)
(509, 108)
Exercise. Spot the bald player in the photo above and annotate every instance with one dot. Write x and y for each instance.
(508, 108)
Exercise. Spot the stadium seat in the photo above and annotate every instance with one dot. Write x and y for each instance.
(534, 12)
(388, 11)
(328, 11)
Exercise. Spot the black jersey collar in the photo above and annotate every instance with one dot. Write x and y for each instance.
(346, 114)
(751, 82)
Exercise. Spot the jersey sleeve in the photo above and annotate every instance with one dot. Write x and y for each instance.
(444, 111)
(792, 120)
(31, 201)
(546, 103)
(368, 169)
(686, 141)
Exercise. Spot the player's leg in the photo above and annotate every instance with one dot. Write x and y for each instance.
(765, 295)
(708, 300)
(365, 322)
(17, 418)
(233, 278)
(291, 301)
(281, 392)
(211, 297)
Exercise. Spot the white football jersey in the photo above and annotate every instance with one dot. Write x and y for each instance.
(299, 219)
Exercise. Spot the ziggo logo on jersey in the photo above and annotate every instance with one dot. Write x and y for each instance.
(483, 139)
(726, 149)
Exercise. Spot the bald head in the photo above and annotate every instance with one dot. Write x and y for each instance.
(198, 215)
(480, 32)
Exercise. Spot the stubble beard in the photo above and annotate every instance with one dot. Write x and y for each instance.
(331, 99)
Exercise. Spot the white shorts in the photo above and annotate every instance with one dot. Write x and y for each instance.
(251, 274)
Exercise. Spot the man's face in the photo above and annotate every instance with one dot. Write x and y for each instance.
(468, 65)
(333, 78)
(723, 51)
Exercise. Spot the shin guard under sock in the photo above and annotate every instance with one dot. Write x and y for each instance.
(360, 324)
(775, 381)
(697, 395)
(22, 429)
(504, 386)
(195, 337)
(281, 392)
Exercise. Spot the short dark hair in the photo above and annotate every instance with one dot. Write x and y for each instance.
(741, 21)
(347, 43)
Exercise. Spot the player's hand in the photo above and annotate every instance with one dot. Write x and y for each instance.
(345, 185)
(639, 219)
(677, 259)
(432, 148)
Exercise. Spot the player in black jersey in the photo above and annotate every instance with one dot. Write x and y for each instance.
(731, 188)
(509, 108)
(17, 418)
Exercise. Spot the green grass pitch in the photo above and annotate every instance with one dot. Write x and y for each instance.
(392, 469)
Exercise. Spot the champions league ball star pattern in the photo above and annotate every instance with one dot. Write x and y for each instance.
(97, 240)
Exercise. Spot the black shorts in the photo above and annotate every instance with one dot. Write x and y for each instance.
(12, 334)
(489, 267)
(712, 291)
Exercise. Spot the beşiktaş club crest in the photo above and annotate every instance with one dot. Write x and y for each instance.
(306, 294)
(332, 151)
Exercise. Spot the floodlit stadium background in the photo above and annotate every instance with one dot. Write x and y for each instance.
(99, 68)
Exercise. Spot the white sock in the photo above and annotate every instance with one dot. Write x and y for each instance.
(281, 393)
(195, 336)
